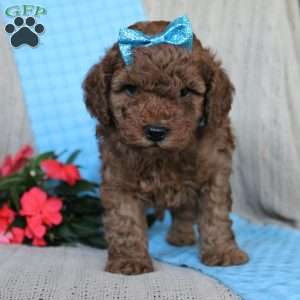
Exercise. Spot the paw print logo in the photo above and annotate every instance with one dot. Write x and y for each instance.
(24, 32)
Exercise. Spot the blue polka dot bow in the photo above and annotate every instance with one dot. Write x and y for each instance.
(178, 33)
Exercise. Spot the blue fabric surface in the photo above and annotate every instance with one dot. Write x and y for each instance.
(273, 272)
(76, 35)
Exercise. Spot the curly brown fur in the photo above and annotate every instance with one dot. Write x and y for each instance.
(187, 172)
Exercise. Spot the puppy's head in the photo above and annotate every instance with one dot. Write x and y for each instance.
(163, 98)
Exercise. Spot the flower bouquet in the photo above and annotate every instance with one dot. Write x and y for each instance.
(44, 201)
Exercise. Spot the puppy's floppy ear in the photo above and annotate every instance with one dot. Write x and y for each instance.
(97, 86)
(219, 91)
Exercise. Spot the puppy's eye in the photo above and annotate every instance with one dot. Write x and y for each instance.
(184, 92)
(130, 89)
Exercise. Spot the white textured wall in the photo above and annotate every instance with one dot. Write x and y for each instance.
(259, 43)
(14, 126)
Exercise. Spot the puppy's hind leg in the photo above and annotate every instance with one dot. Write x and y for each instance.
(182, 232)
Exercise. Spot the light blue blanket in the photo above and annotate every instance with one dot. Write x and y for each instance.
(77, 33)
(273, 272)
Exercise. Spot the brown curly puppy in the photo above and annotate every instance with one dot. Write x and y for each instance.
(166, 142)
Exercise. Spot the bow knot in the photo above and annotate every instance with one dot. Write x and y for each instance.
(177, 33)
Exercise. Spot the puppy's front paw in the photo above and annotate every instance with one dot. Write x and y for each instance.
(129, 266)
(233, 256)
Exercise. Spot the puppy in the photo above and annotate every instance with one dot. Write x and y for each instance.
(166, 142)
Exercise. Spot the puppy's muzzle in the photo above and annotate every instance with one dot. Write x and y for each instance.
(155, 133)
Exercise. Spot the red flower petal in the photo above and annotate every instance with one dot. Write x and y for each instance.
(5, 237)
(17, 235)
(72, 174)
(56, 170)
(40, 242)
(28, 233)
(22, 157)
(52, 219)
(6, 212)
(7, 166)
(51, 214)
(7, 216)
(11, 165)
(53, 205)
(37, 228)
(32, 202)
(24, 153)
(3, 225)
(53, 169)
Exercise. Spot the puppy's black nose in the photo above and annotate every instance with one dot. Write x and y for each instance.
(155, 133)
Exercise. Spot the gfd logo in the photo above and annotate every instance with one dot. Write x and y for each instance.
(25, 30)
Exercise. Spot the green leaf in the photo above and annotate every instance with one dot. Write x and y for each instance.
(32, 176)
(8, 182)
(2, 201)
(80, 187)
(84, 231)
(95, 241)
(47, 155)
(90, 221)
(85, 205)
(84, 185)
(65, 232)
(73, 157)
(15, 198)
(19, 222)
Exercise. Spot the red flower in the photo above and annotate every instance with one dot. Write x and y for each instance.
(39, 242)
(36, 233)
(17, 235)
(14, 236)
(11, 165)
(5, 237)
(56, 170)
(40, 209)
(7, 216)
(35, 228)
